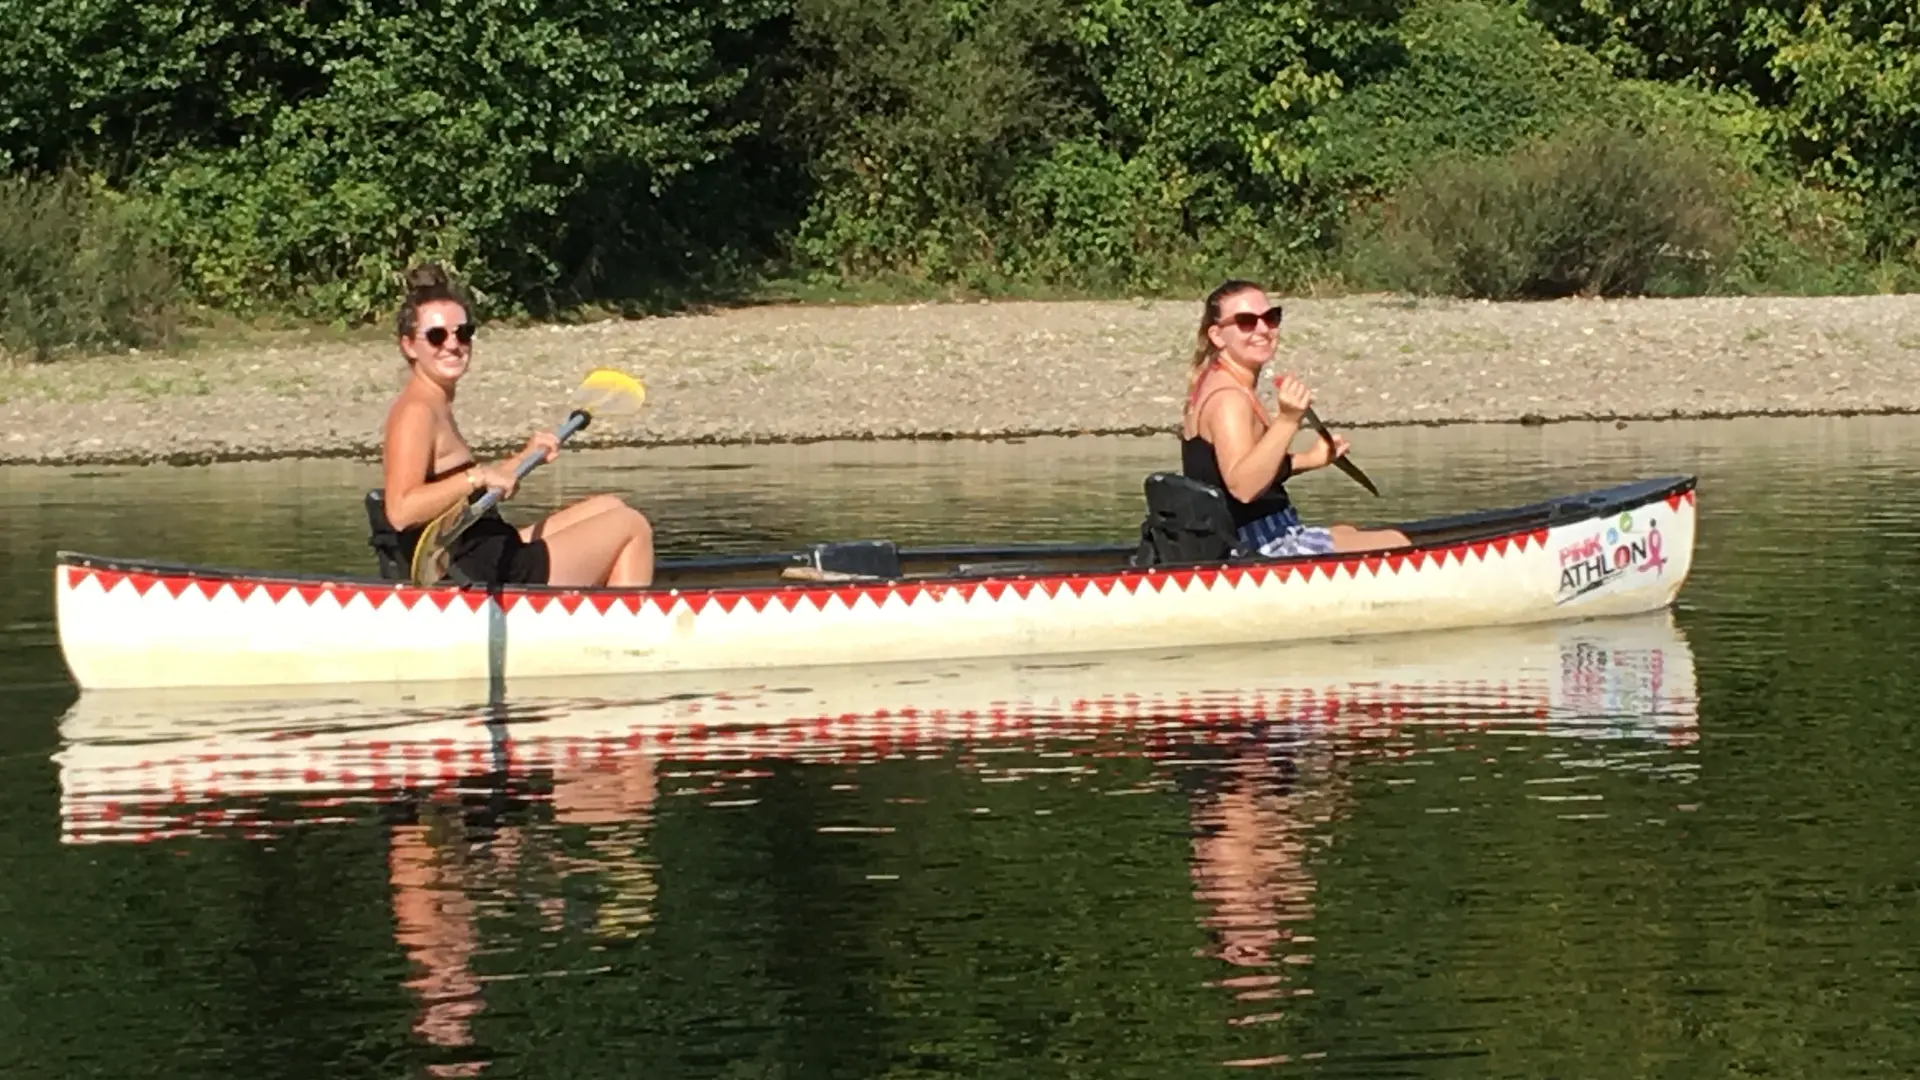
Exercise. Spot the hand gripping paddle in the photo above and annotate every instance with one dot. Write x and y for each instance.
(604, 392)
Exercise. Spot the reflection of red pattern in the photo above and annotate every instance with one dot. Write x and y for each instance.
(150, 798)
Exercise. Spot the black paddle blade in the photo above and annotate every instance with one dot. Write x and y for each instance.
(1355, 471)
(1359, 475)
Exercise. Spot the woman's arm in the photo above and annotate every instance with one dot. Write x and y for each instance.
(1320, 455)
(407, 457)
(1249, 464)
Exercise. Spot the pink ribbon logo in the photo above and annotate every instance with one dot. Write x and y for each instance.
(1655, 561)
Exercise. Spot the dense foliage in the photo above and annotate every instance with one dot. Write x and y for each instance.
(76, 270)
(292, 158)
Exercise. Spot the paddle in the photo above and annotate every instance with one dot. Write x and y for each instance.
(1341, 462)
(603, 392)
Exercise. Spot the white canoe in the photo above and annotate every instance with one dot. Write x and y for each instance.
(139, 765)
(137, 624)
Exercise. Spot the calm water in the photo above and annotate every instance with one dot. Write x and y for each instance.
(1682, 845)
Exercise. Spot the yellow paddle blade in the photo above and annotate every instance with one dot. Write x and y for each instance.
(431, 556)
(606, 392)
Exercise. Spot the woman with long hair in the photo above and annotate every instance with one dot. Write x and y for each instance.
(1228, 440)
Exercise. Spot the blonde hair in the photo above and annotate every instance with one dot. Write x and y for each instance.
(1204, 350)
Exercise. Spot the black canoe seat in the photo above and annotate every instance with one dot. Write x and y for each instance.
(384, 539)
(865, 558)
(1187, 522)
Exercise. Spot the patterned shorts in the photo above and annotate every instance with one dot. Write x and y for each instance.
(1281, 534)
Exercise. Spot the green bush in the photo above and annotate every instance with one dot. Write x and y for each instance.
(1597, 211)
(916, 118)
(1475, 79)
(110, 86)
(607, 154)
(1125, 144)
(519, 144)
(1836, 81)
(77, 268)
(1795, 237)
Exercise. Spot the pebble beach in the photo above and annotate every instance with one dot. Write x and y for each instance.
(986, 370)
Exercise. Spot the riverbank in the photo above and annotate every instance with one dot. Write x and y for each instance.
(1000, 369)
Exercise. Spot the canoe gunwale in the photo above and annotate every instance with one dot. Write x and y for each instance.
(1427, 534)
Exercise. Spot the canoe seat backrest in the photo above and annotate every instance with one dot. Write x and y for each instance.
(384, 539)
(1187, 522)
(866, 558)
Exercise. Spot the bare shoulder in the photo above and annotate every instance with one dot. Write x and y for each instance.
(1223, 400)
(409, 410)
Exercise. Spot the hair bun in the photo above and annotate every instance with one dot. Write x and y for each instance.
(426, 284)
(423, 278)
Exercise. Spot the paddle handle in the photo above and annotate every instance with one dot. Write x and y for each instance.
(533, 460)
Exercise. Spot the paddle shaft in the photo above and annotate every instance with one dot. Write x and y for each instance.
(532, 461)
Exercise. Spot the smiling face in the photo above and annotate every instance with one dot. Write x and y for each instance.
(1247, 330)
(441, 343)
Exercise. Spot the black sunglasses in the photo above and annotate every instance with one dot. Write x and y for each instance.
(437, 335)
(1245, 320)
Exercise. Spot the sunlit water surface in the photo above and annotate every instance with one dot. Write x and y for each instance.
(1677, 845)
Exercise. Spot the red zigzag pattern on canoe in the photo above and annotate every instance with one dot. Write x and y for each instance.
(791, 597)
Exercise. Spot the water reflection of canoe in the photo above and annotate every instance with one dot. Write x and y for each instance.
(1617, 551)
(141, 764)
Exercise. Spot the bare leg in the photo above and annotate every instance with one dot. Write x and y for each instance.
(597, 541)
(591, 506)
(1348, 538)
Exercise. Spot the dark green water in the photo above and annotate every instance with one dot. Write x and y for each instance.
(1682, 846)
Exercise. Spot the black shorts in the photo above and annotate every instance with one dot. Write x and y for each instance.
(491, 552)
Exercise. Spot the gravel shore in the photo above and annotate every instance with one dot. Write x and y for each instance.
(792, 373)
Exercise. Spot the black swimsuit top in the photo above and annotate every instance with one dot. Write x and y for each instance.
(1199, 462)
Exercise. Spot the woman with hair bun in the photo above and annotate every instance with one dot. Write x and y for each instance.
(1227, 440)
(429, 467)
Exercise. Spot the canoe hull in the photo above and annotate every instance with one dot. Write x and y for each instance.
(128, 625)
